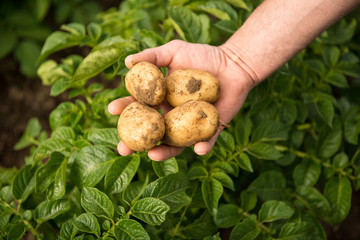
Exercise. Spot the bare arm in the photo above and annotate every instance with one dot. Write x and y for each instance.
(278, 29)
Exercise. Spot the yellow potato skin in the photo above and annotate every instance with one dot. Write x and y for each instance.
(190, 123)
(140, 127)
(146, 83)
(191, 84)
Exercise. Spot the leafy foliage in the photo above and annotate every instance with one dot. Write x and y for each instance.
(289, 159)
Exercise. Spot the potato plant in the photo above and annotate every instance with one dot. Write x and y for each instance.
(289, 161)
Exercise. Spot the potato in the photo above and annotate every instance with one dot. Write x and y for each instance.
(191, 84)
(190, 123)
(146, 83)
(140, 127)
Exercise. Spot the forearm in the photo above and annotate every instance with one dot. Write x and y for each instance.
(278, 29)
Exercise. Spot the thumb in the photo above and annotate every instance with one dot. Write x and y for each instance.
(159, 56)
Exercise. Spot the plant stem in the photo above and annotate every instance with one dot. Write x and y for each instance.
(259, 224)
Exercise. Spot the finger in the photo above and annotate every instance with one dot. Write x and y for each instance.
(164, 152)
(203, 148)
(159, 56)
(123, 149)
(118, 105)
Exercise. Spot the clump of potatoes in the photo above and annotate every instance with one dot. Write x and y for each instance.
(190, 91)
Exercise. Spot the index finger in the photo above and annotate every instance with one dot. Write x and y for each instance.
(118, 105)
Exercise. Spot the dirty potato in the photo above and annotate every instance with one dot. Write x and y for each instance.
(140, 127)
(146, 83)
(191, 84)
(190, 123)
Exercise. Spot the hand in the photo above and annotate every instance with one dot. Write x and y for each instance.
(235, 83)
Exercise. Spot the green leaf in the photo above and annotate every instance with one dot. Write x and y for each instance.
(171, 190)
(225, 180)
(68, 230)
(24, 183)
(77, 29)
(246, 230)
(104, 136)
(325, 110)
(248, 200)
(316, 65)
(288, 112)
(7, 42)
(341, 160)
(336, 79)
(60, 86)
(61, 115)
(91, 164)
(228, 215)
(226, 140)
(239, 4)
(16, 231)
(338, 191)
(202, 227)
(295, 231)
(329, 140)
(150, 210)
(96, 202)
(32, 130)
(227, 26)
(94, 31)
(57, 189)
(121, 173)
(96, 62)
(212, 190)
(270, 131)
(50, 209)
(264, 151)
(164, 168)
(45, 175)
(306, 173)
(351, 130)
(88, 223)
(315, 200)
(243, 129)
(134, 191)
(49, 146)
(219, 9)
(341, 32)
(58, 41)
(244, 162)
(41, 9)
(269, 185)
(274, 210)
(129, 229)
(197, 172)
(190, 27)
(331, 55)
(26, 53)
(64, 133)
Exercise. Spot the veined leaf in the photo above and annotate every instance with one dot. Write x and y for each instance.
(16, 231)
(96, 202)
(150, 210)
(225, 180)
(96, 62)
(246, 230)
(33, 129)
(325, 110)
(200, 228)
(50, 209)
(270, 131)
(306, 173)
(264, 151)
(274, 210)
(190, 27)
(219, 9)
(228, 215)
(315, 200)
(88, 223)
(171, 190)
(129, 229)
(68, 230)
(64, 133)
(269, 185)
(121, 173)
(226, 140)
(94, 31)
(164, 168)
(295, 231)
(338, 191)
(248, 200)
(212, 190)
(329, 140)
(243, 130)
(134, 191)
(58, 41)
(24, 183)
(104, 136)
(244, 162)
(91, 164)
(47, 147)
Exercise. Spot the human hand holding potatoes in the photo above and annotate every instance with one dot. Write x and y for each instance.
(234, 83)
